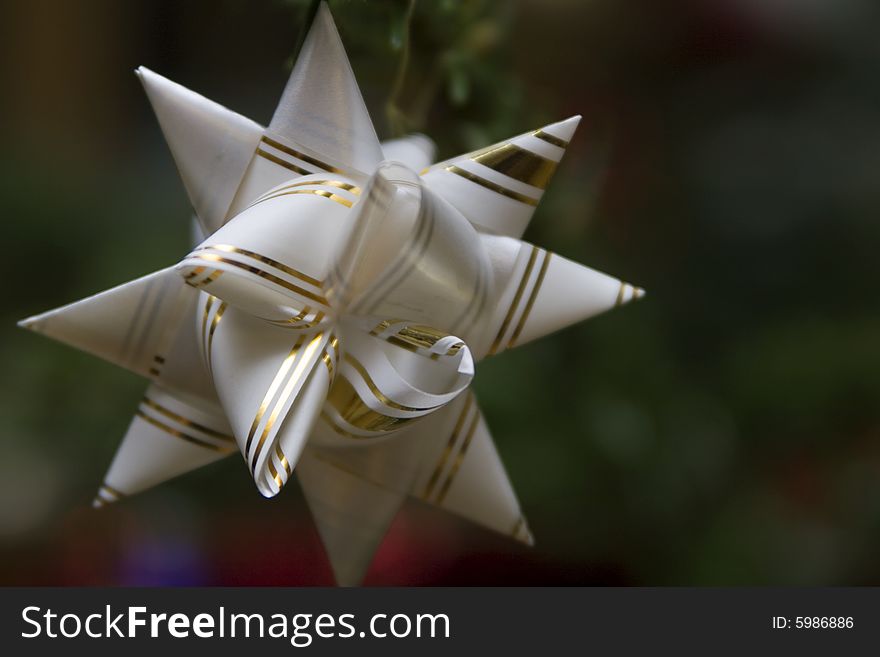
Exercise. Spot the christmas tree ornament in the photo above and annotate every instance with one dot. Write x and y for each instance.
(328, 320)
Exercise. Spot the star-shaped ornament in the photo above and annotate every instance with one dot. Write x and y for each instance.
(328, 319)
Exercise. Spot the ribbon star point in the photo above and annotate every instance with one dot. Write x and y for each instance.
(330, 316)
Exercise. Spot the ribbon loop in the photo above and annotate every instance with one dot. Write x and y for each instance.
(317, 256)
(271, 383)
(392, 375)
(271, 259)
(404, 241)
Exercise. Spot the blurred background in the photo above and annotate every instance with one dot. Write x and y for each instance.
(723, 431)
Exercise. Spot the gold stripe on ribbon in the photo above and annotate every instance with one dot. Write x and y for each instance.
(195, 272)
(531, 302)
(209, 301)
(378, 394)
(112, 492)
(351, 408)
(420, 336)
(297, 323)
(292, 320)
(459, 459)
(317, 192)
(620, 292)
(179, 434)
(447, 452)
(328, 361)
(354, 189)
(348, 187)
(300, 156)
(215, 321)
(488, 184)
(285, 395)
(413, 337)
(284, 462)
(274, 473)
(167, 412)
(290, 271)
(550, 139)
(409, 346)
(270, 392)
(383, 325)
(327, 358)
(515, 302)
(284, 163)
(342, 432)
(262, 274)
(518, 163)
(210, 278)
(217, 273)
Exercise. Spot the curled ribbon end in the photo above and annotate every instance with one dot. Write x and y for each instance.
(97, 503)
(638, 293)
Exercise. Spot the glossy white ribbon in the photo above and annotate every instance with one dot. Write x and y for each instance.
(328, 300)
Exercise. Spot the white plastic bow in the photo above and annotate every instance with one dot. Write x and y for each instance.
(358, 295)
(329, 318)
